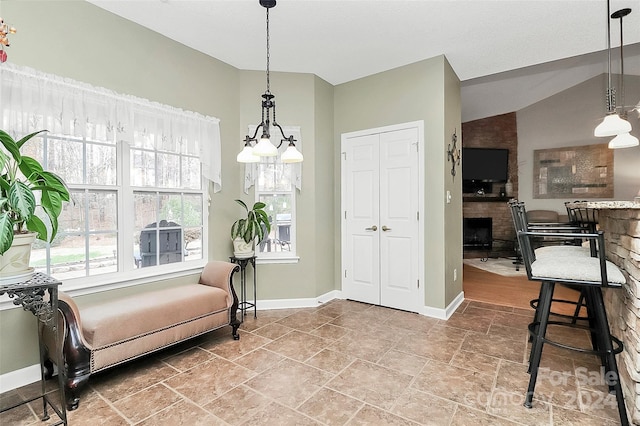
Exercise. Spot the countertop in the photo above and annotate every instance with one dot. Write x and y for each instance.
(634, 205)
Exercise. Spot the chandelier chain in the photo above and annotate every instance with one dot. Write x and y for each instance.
(268, 55)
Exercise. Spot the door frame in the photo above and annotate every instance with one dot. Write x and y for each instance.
(419, 125)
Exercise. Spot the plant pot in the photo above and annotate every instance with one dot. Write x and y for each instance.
(242, 249)
(14, 263)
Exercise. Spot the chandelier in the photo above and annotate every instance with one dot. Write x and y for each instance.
(253, 149)
(614, 123)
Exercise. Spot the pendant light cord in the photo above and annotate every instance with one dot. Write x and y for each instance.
(268, 55)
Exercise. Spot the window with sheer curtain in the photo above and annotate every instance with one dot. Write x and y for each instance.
(137, 171)
(275, 184)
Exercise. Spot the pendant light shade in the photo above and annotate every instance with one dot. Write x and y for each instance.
(624, 140)
(612, 125)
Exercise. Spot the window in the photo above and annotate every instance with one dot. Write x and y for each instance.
(161, 191)
(274, 187)
(136, 172)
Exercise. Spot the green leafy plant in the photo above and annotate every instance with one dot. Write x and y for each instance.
(21, 178)
(256, 224)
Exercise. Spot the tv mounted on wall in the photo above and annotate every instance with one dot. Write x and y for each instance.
(485, 164)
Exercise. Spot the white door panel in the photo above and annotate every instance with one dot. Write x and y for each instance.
(398, 219)
(362, 214)
(380, 200)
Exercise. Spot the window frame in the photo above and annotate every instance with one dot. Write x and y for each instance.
(127, 274)
(290, 256)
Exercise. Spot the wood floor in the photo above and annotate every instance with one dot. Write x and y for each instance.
(483, 286)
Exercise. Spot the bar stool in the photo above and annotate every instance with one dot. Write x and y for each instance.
(590, 273)
(574, 249)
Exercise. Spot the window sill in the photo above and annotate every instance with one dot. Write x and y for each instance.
(269, 260)
(99, 283)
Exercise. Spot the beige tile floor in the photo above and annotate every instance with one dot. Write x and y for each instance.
(348, 363)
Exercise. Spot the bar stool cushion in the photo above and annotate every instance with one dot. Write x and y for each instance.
(578, 268)
(561, 251)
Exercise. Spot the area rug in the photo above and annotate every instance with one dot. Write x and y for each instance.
(501, 266)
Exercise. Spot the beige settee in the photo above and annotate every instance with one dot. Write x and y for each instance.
(107, 334)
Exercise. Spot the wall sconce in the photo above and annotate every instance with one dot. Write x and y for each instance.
(453, 153)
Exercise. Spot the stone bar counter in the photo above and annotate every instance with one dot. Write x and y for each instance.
(620, 221)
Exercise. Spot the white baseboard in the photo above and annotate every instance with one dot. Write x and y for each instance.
(444, 314)
(310, 302)
(18, 378)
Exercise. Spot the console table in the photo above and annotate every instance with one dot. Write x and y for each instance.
(243, 305)
(39, 295)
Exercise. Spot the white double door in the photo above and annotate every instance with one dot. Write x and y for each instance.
(380, 238)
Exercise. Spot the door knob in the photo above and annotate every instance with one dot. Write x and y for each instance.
(373, 228)
(385, 228)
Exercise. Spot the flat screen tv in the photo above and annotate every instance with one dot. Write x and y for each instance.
(485, 164)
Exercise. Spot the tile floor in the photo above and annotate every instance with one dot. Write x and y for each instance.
(348, 363)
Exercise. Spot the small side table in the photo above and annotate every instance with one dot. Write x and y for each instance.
(32, 296)
(243, 305)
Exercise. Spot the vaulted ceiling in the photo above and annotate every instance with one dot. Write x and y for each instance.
(342, 40)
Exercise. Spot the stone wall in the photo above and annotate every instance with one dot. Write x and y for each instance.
(622, 234)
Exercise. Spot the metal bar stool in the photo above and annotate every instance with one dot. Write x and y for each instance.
(554, 251)
(591, 273)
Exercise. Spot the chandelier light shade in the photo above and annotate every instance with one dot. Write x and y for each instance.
(291, 155)
(624, 140)
(264, 147)
(247, 155)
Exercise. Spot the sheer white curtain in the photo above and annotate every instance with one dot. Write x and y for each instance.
(251, 169)
(31, 100)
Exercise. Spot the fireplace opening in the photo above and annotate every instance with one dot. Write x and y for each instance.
(476, 233)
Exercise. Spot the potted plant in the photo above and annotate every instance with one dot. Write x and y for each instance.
(245, 230)
(21, 179)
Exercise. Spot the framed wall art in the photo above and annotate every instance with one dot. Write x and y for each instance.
(573, 172)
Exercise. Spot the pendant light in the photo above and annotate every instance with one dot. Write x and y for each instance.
(264, 147)
(626, 139)
(612, 124)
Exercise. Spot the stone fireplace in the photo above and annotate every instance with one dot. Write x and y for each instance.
(492, 132)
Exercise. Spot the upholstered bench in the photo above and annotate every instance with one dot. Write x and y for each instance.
(104, 335)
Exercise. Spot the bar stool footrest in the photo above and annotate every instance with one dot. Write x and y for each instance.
(534, 304)
(617, 348)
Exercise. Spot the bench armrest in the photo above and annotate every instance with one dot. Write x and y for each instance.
(219, 274)
(75, 349)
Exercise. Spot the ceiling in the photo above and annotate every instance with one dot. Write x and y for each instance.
(342, 40)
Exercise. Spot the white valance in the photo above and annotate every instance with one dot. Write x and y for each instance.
(251, 169)
(31, 100)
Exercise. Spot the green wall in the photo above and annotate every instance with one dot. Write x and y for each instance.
(307, 101)
(453, 184)
(410, 93)
(105, 50)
